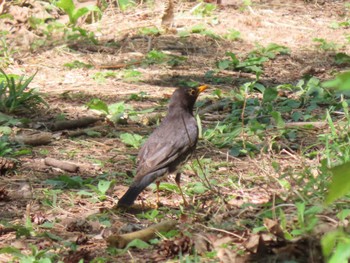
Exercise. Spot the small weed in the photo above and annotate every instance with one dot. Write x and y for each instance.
(204, 9)
(155, 57)
(342, 59)
(254, 60)
(133, 140)
(5, 146)
(6, 52)
(74, 13)
(233, 35)
(138, 96)
(131, 75)
(125, 4)
(152, 215)
(344, 24)
(325, 45)
(15, 95)
(101, 189)
(77, 64)
(36, 255)
(100, 77)
(149, 31)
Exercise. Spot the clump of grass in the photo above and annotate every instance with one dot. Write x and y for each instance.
(15, 94)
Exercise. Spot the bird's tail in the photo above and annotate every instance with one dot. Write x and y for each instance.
(130, 196)
(138, 186)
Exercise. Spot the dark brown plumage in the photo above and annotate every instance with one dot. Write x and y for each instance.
(169, 146)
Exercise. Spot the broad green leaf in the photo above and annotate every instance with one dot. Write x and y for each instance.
(138, 244)
(11, 250)
(278, 119)
(224, 64)
(97, 104)
(270, 95)
(340, 184)
(328, 242)
(5, 130)
(342, 82)
(68, 6)
(342, 58)
(133, 140)
(84, 10)
(104, 185)
(341, 253)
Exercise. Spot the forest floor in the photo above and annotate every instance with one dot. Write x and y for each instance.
(264, 200)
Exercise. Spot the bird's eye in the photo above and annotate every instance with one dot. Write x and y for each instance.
(192, 92)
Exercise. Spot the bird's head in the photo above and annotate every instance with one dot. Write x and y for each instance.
(186, 97)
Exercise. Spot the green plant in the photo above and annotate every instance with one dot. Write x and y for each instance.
(6, 52)
(100, 77)
(125, 4)
(74, 13)
(326, 45)
(202, 30)
(133, 140)
(36, 256)
(15, 95)
(255, 59)
(155, 57)
(232, 35)
(152, 215)
(138, 96)
(149, 31)
(5, 146)
(131, 75)
(203, 9)
(101, 189)
(77, 64)
(342, 58)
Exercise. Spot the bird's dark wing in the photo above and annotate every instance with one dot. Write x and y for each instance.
(166, 144)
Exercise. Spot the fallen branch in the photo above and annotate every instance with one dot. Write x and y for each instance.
(120, 241)
(73, 124)
(66, 166)
(34, 139)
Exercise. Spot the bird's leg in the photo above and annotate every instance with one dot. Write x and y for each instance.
(177, 180)
(157, 183)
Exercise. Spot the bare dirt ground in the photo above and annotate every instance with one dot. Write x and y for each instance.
(214, 225)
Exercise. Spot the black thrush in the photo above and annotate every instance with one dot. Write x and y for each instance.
(168, 147)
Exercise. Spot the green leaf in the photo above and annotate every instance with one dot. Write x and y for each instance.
(270, 95)
(104, 185)
(11, 250)
(83, 11)
(5, 130)
(278, 119)
(138, 244)
(196, 188)
(340, 184)
(224, 64)
(341, 253)
(342, 58)
(328, 242)
(133, 140)
(68, 7)
(342, 82)
(97, 104)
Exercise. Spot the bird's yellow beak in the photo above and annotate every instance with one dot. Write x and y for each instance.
(202, 88)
